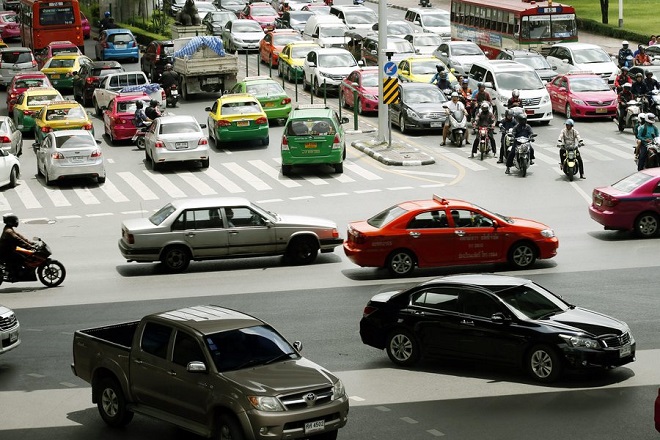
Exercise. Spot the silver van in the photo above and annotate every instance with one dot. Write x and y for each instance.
(15, 60)
(325, 30)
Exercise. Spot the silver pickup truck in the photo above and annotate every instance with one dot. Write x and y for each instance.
(210, 370)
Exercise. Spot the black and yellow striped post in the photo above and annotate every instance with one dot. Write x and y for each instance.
(390, 90)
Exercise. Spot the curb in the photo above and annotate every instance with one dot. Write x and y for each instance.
(387, 160)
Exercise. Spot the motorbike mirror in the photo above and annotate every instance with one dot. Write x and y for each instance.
(554, 67)
(207, 109)
(345, 120)
(202, 125)
(98, 141)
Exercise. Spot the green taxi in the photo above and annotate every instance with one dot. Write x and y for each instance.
(237, 117)
(313, 135)
(272, 97)
(59, 69)
(29, 103)
(291, 59)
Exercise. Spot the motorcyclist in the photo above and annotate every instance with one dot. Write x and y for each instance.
(479, 96)
(505, 124)
(642, 58)
(168, 79)
(624, 96)
(641, 120)
(103, 24)
(650, 82)
(485, 118)
(639, 90)
(623, 53)
(141, 120)
(622, 78)
(9, 240)
(466, 96)
(645, 134)
(515, 100)
(441, 79)
(153, 111)
(454, 105)
(570, 136)
(523, 129)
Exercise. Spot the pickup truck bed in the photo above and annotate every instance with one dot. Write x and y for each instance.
(118, 334)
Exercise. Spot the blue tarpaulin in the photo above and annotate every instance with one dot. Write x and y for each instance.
(147, 88)
(214, 43)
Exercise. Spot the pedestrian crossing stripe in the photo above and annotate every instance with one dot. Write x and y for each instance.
(390, 90)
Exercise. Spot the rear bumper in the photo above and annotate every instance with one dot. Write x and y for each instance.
(110, 54)
(610, 219)
(161, 155)
(66, 171)
(140, 255)
(329, 244)
(229, 135)
(365, 257)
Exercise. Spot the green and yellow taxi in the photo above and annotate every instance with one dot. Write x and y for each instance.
(61, 115)
(291, 59)
(421, 69)
(272, 97)
(29, 103)
(237, 117)
(59, 69)
(313, 135)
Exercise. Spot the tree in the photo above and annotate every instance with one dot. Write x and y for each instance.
(604, 9)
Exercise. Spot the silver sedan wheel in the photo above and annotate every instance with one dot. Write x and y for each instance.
(401, 347)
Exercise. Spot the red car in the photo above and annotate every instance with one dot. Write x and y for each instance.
(86, 27)
(261, 12)
(632, 203)
(365, 81)
(657, 412)
(55, 48)
(446, 232)
(20, 83)
(582, 95)
(273, 42)
(119, 116)
(9, 27)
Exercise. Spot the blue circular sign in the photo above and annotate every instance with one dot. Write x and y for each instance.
(390, 69)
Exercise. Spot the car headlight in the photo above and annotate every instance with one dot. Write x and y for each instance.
(577, 101)
(238, 40)
(266, 403)
(580, 341)
(547, 233)
(371, 97)
(545, 99)
(412, 114)
(327, 75)
(338, 390)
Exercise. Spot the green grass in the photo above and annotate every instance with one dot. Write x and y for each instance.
(639, 16)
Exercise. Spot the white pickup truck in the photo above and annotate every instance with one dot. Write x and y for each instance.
(112, 84)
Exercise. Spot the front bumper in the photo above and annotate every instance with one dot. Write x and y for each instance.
(10, 338)
(594, 112)
(547, 247)
(603, 358)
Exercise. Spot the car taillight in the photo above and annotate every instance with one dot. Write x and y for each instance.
(335, 233)
(96, 153)
(4, 139)
(285, 143)
(130, 239)
(87, 127)
(368, 310)
(13, 95)
(46, 129)
(261, 121)
(222, 123)
(203, 141)
(356, 237)
(285, 101)
(57, 155)
(336, 143)
(159, 144)
(26, 112)
(609, 200)
(91, 79)
(163, 95)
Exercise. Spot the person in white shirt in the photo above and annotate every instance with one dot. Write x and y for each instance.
(452, 106)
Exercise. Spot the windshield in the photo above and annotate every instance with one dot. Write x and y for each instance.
(337, 60)
(435, 20)
(263, 11)
(42, 99)
(75, 141)
(267, 88)
(595, 55)
(299, 17)
(400, 46)
(239, 108)
(465, 49)
(519, 80)
(428, 40)
(381, 219)
(540, 27)
(247, 347)
(632, 182)
(399, 29)
(247, 26)
(589, 85)
(283, 40)
(425, 95)
(329, 31)
(179, 127)
(159, 216)
(361, 17)
(532, 301)
(423, 67)
(536, 63)
(302, 51)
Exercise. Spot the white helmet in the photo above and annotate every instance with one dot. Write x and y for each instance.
(515, 93)
(485, 106)
(642, 117)
(454, 95)
(650, 118)
(624, 42)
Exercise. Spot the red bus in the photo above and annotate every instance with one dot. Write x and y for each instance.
(43, 21)
(512, 24)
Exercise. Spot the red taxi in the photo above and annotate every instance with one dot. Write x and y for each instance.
(365, 82)
(20, 83)
(9, 27)
(261, 12)
(582, 95)
(118, 118)
(446, 232)
(631, 204)
(273, 42)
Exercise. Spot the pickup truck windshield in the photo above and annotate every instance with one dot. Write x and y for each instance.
(247, 347)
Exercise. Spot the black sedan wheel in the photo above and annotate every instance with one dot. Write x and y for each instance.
(403, 348)
(543, 364)
(302, 250)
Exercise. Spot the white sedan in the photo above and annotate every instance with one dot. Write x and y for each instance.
(69, 153)
(10, 169)
(11, 138)
(176, 139)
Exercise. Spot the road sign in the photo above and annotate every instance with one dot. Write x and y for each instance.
(390, 69)
(390, 90)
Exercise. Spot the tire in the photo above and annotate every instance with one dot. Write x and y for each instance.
(111, 403)
(97, 110)
(568, 111)
(140, 143)
(302, 250)
(543, 364)
(339, 168)
(51, 273)
(317, 88)
(402, 348)
(402, 124)
(522, 255)
(111, 137)
(286, 170)
(280, 73)
(482, 155)
(206, 163)
(401, 263)
(569, 173)
(100, 180)
(646, 225)
(523, 169)
(13, 177)
(184, 92)
(39, 173)
(265, 141)
(175, 259)
(229, 429)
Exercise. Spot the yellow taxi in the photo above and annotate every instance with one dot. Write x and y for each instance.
(29, 103)
(290, 63)
(59, 69)
(61, 115)
(237, 117)
(2, 43)
(421, 69)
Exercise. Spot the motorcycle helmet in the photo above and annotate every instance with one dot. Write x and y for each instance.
(624, 43)
(625, 69)
(639, 76)
(139, 104)
(650, 119)
(649, 73)
(515, 93)
(642, 118)
(440, 68)
(168, 66)
(508, 114)
(570, 122)
(465, 81)
(485, 107)
(521, 118)
(10, 220)
(481, 85)
(153, 103)
(454, 95)
(107, 14)
(627, 85)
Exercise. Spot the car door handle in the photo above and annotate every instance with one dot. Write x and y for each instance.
(138, 361)
(233, 232)
(459, 232)
(466, 322)
(190, 234)
(418, 312)
(415, 234)
(171, 373)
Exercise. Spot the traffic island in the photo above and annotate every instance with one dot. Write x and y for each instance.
(397, 154)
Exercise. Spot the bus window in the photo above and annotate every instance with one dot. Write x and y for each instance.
(563, 26)
(56, 16)
(536, 27)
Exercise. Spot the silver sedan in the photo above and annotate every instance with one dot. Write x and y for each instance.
(69, 153)
(176, 139)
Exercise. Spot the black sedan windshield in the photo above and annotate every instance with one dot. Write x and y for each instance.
(532, 301)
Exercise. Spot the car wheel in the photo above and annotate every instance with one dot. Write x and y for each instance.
(317, 88)
(402, 124)
(339, 168)
(206, 163)
(302, 250)
(543, 364)
(96, 108)
(52, 273)
(175, 259)
(402, 348)
(286, 170)
(522, 255)
(100, 180)
(401, 263)
(280, 73)
(13, 177)
(111, 403)
(568, 111)
(265, 141)
(305, 85)
(646, 225)
(229, 429)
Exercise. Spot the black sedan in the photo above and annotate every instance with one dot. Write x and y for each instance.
(89, 78)
(493, 318)
(216, 20)
(419, 107)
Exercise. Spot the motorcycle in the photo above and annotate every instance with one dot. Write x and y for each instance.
(654, 102)
(36, 264)
(457, 126)
(629, 119)
(425, 3)
(484, 141)
(508, 138)
(570, 164)
(523, 150)
(171, 96)
(653, 154)
(138, 137)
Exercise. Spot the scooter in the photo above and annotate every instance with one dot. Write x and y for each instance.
(457, 126)
(36, 264)
(653, 154)
(425, 3)
(629, 119)
(654, 102)
(570, 165)
(138, 137)
(171, 96)
(521, 159)
(484, 141)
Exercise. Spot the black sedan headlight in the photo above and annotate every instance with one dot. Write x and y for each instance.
(580, 341)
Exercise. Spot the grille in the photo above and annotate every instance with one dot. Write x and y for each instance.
(531, 101)
(297, 401)
(434, 115)
(338, 77)
(599, 104)
(616, 341)
(7, 322)
(251, 41)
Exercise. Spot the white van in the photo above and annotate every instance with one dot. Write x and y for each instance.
(502, 76)
(325, 30)
(430, 20)
(355, 16)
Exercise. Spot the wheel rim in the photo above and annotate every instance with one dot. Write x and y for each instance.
(109, 402)
(523, 256)
(402, 124)
(175, 259)
(541, 364)
(568, 112)
(401, 347)
(401, 263)
(51, 274)
(648, 225)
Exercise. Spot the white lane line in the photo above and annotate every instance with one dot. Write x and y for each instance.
(247, 176)
(111, 190)
(334, 194)
(57, 197)
(136, 185)
(367, 191)
(100, 214)
(426, 173)
(301, 198)
(628, 154)
(86, 196)
(273, 173)
(343, 178)
(550, 160)
(269, 201)
(435, 433)
(463, 160)
(27, 197)
(409, 420)
(399, 188)
(223, 181)
(165, 184)
(4, 203)
(196, 183)
(365, 174)
(315, 180)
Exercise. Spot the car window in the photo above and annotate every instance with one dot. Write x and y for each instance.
(437, 298)
(632, 182)
(186, 349)
(60, 114)
(204, 218)
(75, 141)
(16, 57)
(384, 217)
(267, 88)
(532, 301)
(120, 38)
(179, 127)
(155, 339)
(478, 304)
(54, 63)
(41, 99)
(242, 216)
(159, 216)
(238, 108)
(429, 220)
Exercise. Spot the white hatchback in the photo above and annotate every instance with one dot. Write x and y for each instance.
(176, 139)
(69, 153)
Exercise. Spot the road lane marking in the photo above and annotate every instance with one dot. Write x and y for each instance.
(26, 196)
(57, 197)
(362, 172)
(222, 180)
(616, 152)
(111, 190)
(247, 176)
(273, 173)
(86, 196)
(200, 186)
(136, 185)
(165, 184)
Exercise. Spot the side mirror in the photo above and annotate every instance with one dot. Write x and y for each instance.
(499, 318)
(554, 67)
(345, 120)
(202, 125)
(495, 224)
(564, 60)
(207, 109)
(444, 54)
(98, 142)
(360, 63)
(310, 64)
(196, 367)
(298, 346)
(374, 52)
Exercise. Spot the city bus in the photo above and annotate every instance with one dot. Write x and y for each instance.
(512, 24)
(44, 21)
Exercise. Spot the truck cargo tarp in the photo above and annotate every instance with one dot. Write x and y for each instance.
(147, 88)
(195, 43)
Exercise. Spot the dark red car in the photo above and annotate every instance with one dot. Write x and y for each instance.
(86, 27)
(261, 12)
(365, 82)
(631, 204)
(20, 83)
(119, 116)
(9, 27)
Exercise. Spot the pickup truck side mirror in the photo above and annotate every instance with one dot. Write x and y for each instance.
(196, 367)
(298, 346)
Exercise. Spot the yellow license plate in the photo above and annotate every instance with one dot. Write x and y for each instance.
(310, 145)
(55, 76)
(243, 124)
(270, 104)
(601, 110)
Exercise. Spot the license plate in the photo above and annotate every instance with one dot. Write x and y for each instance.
(174, 92)
(601, 110)
(13, 337)
(77, 158)
(529, 112)
(212, 80)
(243, 123)
(625, 351)
(310, 145)
(318, 425)
(436, 124)
(120, 46)
(180, 145)
(54, 76)
(269, 104)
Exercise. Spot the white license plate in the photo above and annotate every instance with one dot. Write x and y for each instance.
(77, 159)
(174, 92)
(318, 425)
(13, 337)
(212, 80)
(120, 46)
(436, 124)
(180, 145)
(625, 351)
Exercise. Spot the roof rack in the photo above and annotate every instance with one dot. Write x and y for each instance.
(440, 200)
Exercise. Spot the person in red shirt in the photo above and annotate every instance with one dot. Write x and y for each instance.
(642, 59)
